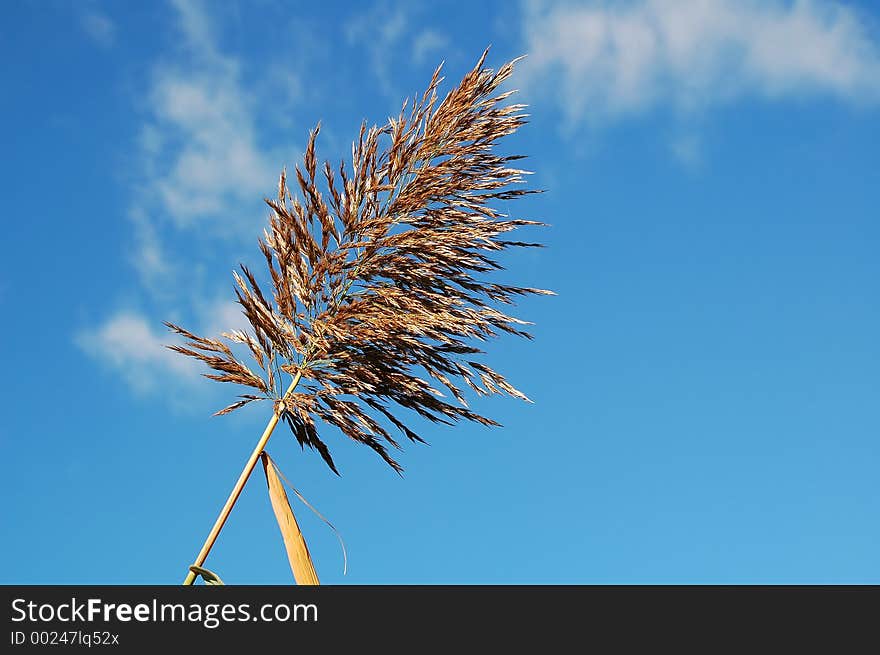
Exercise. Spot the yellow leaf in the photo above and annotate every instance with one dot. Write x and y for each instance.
(297, 551)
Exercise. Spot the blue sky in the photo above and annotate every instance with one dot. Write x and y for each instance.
(707, 397)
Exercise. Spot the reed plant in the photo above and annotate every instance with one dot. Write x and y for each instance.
(378, 289)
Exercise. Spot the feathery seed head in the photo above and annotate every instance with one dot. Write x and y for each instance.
(380, 273)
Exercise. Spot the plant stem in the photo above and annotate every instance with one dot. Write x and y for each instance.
(239, 486)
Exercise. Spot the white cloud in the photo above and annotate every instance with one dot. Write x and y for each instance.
(128, 344)
(202, 174)
(134, 347)
(100, 28)
(223, 316)
(148, 256)
(427, 42)
(203, 130)
(151, 140)
(195, 25)
(603, 60)
(218, 160)
(387, 32)
(379, 30)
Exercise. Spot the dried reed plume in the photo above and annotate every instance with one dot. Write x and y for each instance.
(378, 275)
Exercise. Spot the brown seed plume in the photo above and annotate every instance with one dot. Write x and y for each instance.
(378, 274)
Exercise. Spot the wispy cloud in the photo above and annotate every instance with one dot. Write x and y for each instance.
(391, 33)
(203, 171)
(202, 168)
(197, 29)
(129, 345)
(148, 256)
(203, 129)
(100, 28)
(217, 160)
(133, 346)
(222, 316)
(426, 43)
(601, 61)
(380, 29)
